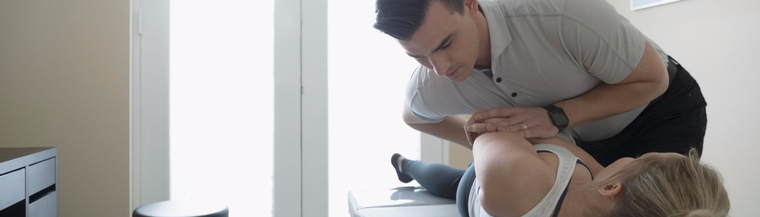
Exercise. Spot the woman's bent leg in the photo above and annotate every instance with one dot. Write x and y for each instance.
(438, 179)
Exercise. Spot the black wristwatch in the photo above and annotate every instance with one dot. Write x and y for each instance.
(558, 117)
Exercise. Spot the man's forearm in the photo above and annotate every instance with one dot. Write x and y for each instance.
(451, 129)
(607, 100)
(647, 81)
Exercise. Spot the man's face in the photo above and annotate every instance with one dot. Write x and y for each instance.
(446, 42)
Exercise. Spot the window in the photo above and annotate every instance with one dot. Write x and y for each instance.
(367, 76)
(222, 103)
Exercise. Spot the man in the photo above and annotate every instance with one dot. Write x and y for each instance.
(569, 68)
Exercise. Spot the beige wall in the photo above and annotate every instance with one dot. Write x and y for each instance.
(719, 43)
(459, 156)
(64, 81)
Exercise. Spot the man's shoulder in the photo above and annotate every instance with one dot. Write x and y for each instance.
(519, 8)
(420, 73)
(422, 76)
(423, 95)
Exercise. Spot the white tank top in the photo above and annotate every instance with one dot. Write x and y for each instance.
(565, 169)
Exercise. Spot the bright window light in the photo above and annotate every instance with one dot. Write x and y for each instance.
(368, 73)
(222, 103)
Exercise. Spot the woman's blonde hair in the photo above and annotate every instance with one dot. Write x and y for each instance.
(674, 187)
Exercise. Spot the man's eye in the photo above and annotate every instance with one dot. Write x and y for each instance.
(446, 46)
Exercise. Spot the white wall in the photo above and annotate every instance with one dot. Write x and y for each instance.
(718, 42)
(64, 81)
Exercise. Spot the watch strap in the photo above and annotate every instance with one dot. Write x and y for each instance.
(554, 110)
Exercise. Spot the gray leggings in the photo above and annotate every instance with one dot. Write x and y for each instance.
(442, 180)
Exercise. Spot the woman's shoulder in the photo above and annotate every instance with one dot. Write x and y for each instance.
(536, 178)
(581, 154)
(526, 176)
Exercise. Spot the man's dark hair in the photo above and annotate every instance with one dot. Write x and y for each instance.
(401, 18)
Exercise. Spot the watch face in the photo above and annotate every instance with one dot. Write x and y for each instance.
(559, 118)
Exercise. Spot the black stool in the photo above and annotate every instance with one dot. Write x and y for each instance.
(181, 209)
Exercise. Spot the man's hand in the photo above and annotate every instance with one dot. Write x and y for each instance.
(473, 129)
(530, 122)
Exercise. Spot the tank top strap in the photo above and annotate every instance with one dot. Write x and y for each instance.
(565, 169)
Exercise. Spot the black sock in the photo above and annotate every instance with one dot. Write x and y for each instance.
(401, 177)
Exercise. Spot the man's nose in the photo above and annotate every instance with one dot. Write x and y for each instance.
(440, 64)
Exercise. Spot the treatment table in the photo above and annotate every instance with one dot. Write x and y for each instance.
(400, 202)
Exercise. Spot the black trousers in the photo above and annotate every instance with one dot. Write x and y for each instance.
(674, 122)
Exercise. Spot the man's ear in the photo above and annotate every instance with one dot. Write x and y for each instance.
(472, 7)
(611, 190)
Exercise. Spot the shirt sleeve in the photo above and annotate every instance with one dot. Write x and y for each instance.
(417, 101)
(601, 40)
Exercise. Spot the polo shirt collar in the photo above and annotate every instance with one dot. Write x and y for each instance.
(497, 28)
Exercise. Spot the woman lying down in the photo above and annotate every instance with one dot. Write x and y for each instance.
(552, 177)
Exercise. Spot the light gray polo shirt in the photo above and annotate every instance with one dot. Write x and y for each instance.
(542, 52)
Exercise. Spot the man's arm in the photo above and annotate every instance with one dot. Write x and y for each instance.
(647, 81)
(451, 128)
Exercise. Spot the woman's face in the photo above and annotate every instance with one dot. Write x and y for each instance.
(633, 163)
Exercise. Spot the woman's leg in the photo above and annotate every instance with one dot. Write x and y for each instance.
(438, 179)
